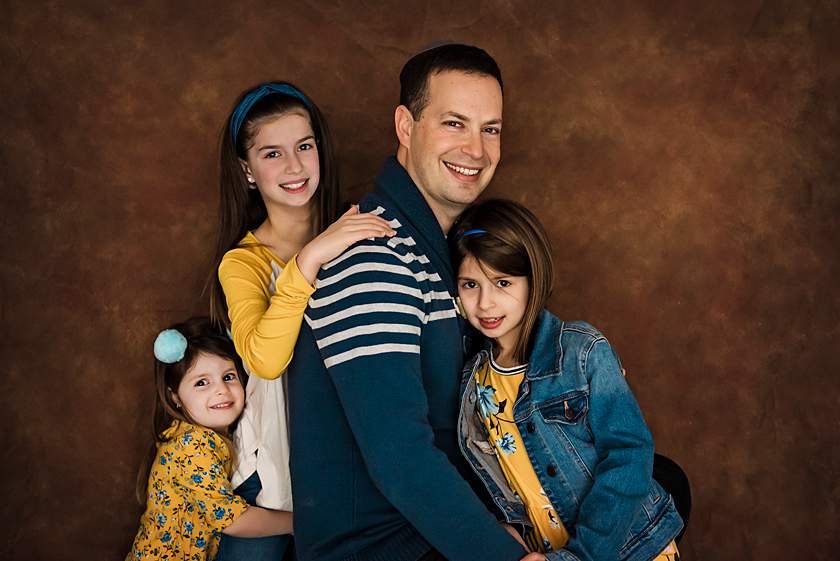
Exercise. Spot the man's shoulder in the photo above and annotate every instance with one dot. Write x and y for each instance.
(380, 255)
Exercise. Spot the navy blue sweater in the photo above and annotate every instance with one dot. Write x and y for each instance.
(373, 393)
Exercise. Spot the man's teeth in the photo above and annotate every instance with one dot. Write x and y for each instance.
(293, 185)
(464, 171)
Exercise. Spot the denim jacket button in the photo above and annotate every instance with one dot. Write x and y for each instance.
(530, 426)
(551, 470)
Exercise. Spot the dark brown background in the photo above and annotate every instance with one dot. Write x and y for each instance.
(682, 155)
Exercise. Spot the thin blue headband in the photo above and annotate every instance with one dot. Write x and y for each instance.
(241, 111)
(473, 232)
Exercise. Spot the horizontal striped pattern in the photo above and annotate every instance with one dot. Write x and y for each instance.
(375, 298)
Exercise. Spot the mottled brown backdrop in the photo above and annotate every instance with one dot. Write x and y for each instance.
(682, 154)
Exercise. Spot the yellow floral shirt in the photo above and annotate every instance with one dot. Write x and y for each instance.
(498, 389)
(189, 497)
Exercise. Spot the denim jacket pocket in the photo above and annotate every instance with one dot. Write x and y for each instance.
(569, 409)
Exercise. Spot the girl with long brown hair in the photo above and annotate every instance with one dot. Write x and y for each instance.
(278, 223)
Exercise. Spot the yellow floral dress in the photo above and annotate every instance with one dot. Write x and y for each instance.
(189, 497)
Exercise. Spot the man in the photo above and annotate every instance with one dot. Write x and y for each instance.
(376, 470)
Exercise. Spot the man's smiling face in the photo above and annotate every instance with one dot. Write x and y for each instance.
(453, 149)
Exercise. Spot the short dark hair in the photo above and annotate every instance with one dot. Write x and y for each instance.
(414, 77)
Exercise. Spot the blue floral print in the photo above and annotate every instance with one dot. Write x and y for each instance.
(189, 498)
(487, 400)
(507, 443)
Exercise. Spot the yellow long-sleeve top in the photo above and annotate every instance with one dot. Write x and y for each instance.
(266, 299)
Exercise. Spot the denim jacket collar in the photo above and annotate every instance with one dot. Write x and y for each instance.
(547, 353)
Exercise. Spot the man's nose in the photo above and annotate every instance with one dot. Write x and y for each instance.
(473, 146)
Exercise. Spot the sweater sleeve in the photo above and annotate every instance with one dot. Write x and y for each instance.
(623, 474)
(367, 318)
(265, 313)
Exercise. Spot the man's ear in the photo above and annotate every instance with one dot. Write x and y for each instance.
(403, 123)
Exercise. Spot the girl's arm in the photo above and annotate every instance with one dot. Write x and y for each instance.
(265, 325)
(200, 472)
(257, 522)
(622, 477)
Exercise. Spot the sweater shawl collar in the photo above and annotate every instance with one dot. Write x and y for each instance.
(397, 190)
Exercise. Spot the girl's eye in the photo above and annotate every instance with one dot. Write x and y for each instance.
(272, 154)
(305, 146)
(468, 284)
(229, 377)
(201, 382)
(502, 283)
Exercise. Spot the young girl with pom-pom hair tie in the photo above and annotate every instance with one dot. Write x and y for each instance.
(278, 223)
(547, 419)
(186, 480)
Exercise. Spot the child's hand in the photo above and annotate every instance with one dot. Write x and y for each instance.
(351, 227)
(534, 557)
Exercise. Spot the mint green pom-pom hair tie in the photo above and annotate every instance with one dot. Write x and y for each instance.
(170, 346)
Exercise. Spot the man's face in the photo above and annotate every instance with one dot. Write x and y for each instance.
(453, 149)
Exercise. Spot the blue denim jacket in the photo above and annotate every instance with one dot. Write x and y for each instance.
(588, 444)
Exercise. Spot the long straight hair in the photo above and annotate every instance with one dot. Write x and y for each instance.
(507, 237)
(202, 337)
(241, 208)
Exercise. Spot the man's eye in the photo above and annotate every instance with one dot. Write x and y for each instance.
(493, 130)
(455, 124)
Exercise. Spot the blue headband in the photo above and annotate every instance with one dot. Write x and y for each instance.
(473, 232)
(241, 111)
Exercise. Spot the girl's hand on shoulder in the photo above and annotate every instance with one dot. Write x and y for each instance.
(350, 228)
(534, 557)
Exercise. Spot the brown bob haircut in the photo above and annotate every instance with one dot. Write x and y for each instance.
(506, 237)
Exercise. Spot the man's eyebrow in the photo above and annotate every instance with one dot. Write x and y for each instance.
(467, 119)
(275, 146)
(456, 115)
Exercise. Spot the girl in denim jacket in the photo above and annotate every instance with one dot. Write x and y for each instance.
(547, 419)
